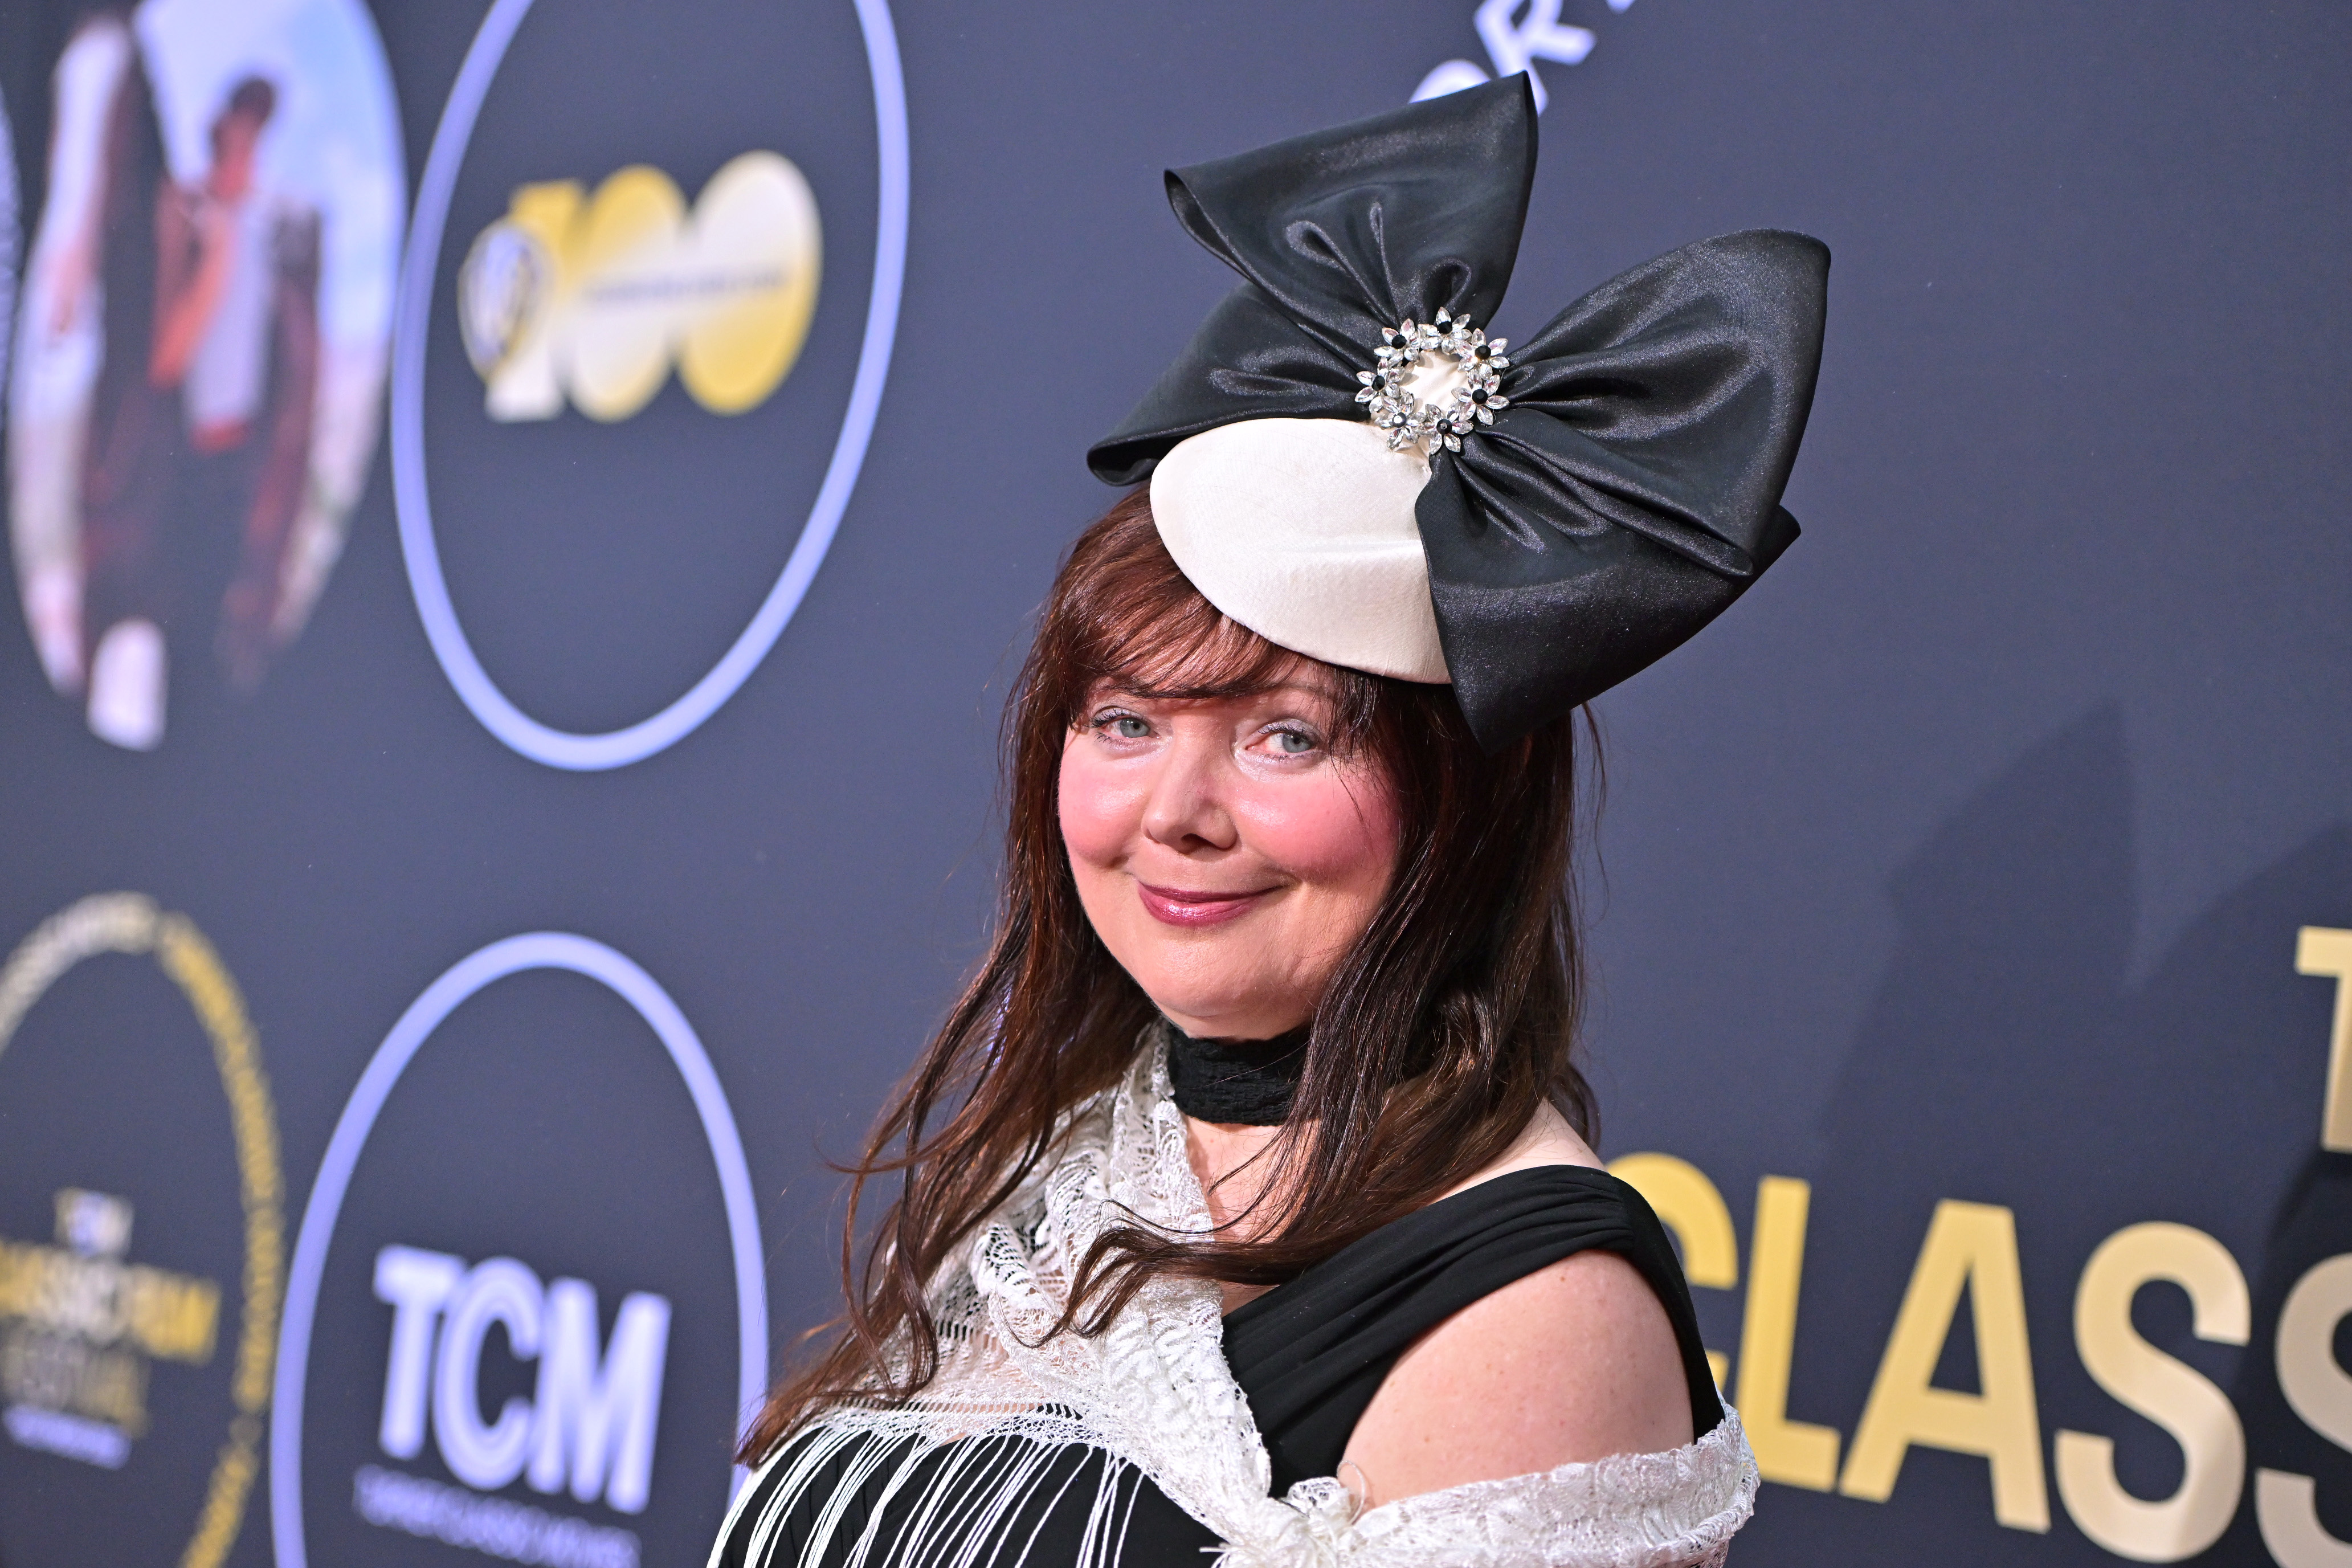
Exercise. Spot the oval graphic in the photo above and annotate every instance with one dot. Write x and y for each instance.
(514, 277)
(198, 369)
(8, 238)
(441, 1298)
(97, 1340)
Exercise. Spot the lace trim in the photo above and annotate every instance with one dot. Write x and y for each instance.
(1154, 1391)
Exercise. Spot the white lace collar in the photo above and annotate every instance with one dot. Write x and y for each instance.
(1154, 1390)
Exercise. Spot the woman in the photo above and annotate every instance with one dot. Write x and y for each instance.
(1247, 1198)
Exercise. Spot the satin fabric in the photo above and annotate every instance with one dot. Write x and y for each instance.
(1631, 490)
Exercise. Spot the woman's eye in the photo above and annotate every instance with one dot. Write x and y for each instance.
(1127, 727)
(1291, 743)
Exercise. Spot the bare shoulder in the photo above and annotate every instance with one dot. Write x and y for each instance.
(1570, 1363)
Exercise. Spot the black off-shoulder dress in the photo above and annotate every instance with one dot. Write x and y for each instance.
(1309, 1355)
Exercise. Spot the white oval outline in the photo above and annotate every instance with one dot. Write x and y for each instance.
(413, 506)
(515, 954)
(12, 240)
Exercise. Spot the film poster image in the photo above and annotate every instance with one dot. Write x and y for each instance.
(201, 342)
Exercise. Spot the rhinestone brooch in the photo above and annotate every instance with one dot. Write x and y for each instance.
(1433, 382)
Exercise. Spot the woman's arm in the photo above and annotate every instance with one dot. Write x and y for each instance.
(1573, 1362)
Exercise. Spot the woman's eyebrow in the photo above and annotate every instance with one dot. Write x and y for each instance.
(1192, 700)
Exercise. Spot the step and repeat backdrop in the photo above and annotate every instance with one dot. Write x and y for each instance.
(520, 517)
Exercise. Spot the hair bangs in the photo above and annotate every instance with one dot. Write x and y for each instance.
(1130, 616)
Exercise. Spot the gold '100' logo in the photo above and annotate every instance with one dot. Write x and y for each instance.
(596, 296)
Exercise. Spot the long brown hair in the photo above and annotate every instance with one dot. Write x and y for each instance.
(1449, 1022)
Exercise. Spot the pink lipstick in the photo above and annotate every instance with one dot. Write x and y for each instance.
(1184, 907)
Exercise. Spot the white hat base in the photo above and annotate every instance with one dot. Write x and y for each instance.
(1302, 531)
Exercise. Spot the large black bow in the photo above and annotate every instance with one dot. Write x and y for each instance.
(1631, 487)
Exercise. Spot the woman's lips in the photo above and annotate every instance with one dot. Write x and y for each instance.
(1184, 907)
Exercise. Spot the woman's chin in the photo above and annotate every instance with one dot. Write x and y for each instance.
(1228, 1015)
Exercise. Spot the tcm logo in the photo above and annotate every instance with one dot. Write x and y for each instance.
(596, 296)
(592, 1422)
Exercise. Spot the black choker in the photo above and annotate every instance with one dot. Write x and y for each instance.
(1247, 1083)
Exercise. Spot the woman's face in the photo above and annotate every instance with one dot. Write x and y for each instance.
(1227, 857)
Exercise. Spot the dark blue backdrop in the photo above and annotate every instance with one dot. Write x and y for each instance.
(1966, 860)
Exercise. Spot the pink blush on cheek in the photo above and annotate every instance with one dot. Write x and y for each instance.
(1225, 887)
(1325, 829)
(1100, 814)
(1332, 829)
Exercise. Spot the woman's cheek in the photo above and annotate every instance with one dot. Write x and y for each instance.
(1094, 810)
(1337, 833)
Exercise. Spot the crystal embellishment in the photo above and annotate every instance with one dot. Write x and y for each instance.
(1465, 363)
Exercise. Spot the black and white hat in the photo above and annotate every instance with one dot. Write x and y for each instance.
(1345, 462)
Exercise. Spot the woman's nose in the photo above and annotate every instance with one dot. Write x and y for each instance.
(1186, 810)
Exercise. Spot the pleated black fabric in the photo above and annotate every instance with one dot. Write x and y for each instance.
(1309, 1355)
(1631, 490)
